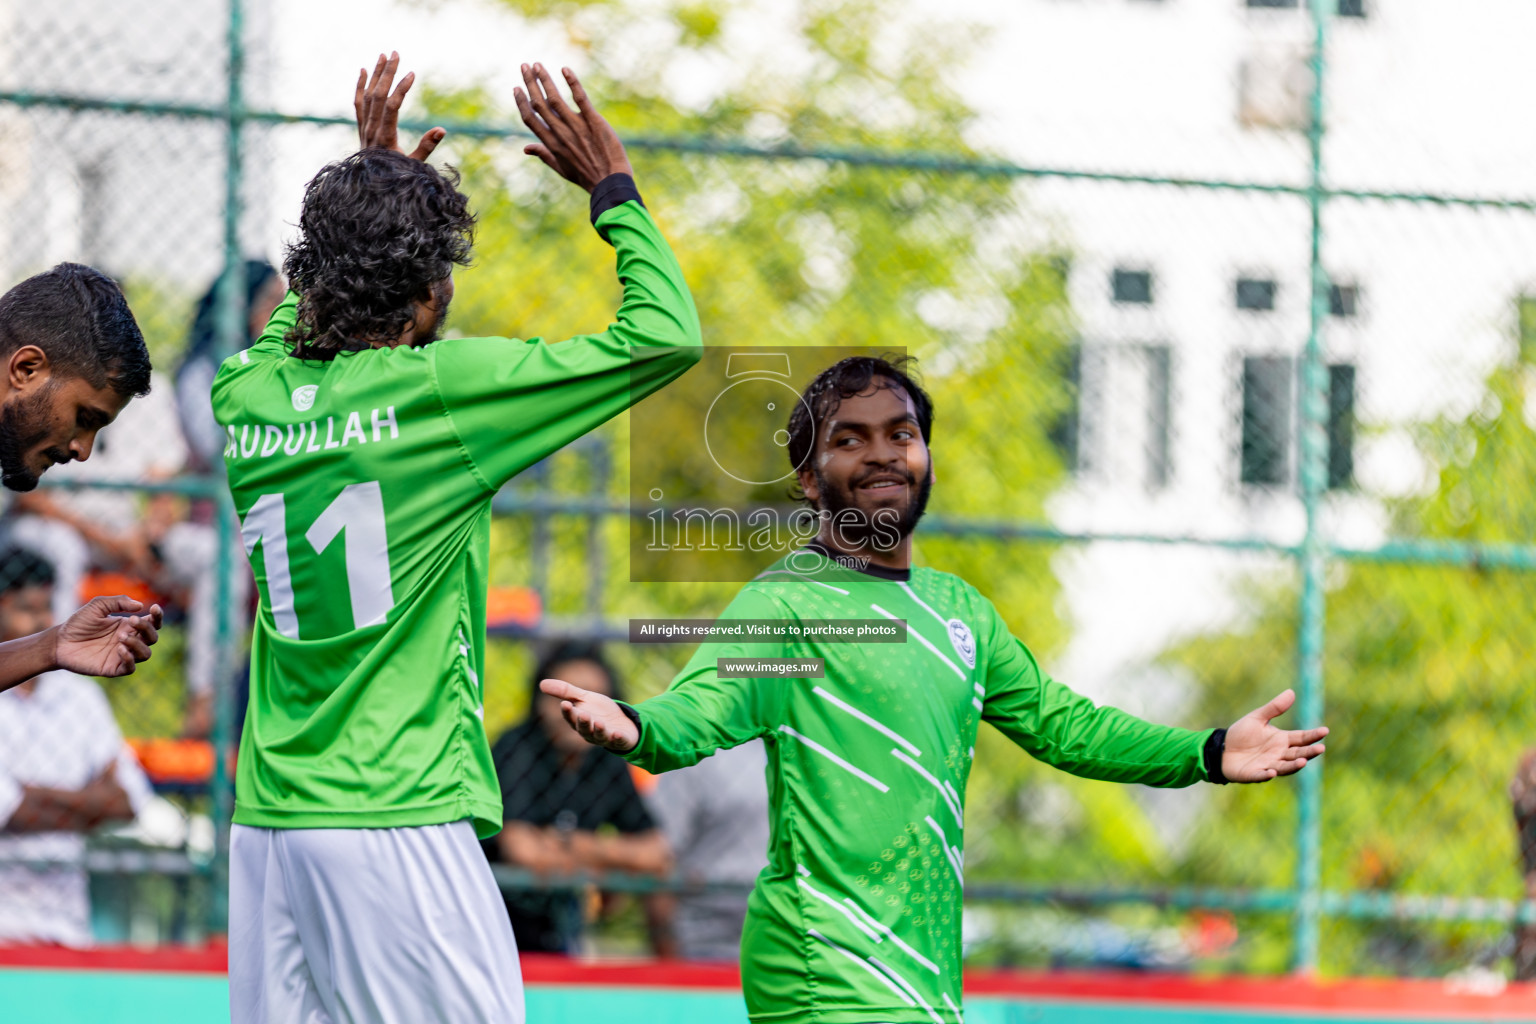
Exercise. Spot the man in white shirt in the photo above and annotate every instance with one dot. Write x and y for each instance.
(715, 816)
(64, 770)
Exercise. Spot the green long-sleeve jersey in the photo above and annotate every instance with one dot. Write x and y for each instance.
(856, 918)
(364, 489)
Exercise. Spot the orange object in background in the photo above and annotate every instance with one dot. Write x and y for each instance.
(513, 606)
(174, 760)
(644, 781)
(111, 584)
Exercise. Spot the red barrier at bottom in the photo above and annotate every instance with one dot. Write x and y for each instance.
(1385, 997)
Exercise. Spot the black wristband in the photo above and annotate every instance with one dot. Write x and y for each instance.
(1215, 746)
(614, 190)
(631, 714)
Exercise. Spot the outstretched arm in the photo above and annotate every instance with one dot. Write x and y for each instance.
(1069, 731)
(699, 714)
(108, 637)
(550, 394)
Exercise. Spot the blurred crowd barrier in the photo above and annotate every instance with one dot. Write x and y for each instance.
(1234, 386)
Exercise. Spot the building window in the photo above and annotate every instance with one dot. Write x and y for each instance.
(1116, 424)
(1268, 396)
(1351, 8)
(1343, 300)
(1063, 431)
(1341, 426)
(1271, 386)
(1255, 293)
(1132, 286)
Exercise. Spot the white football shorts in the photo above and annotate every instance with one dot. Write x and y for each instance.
(368, 926)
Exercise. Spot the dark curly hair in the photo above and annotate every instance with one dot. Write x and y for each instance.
(844, 379)
(378, 229)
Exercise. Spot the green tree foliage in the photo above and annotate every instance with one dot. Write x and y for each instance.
(800, 252)
(1428, 681)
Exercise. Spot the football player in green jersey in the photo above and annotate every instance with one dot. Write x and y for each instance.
(363, 452)
(73, 357)
(857, 916)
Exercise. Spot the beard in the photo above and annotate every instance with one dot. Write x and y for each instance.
(24, 425)
(886, 526)
(423, 340)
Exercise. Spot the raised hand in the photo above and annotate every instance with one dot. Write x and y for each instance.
(595, 716)
(580, 146)
(1257, 752)
(107, 637)
(378, 110)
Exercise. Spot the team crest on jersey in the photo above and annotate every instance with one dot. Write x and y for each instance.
(304, 397)
(964, 642)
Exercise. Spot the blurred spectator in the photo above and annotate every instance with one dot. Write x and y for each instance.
(64, 770)
(205, 439)
(264, 290)
(569, 807)
(715, 818)
(1522, 793)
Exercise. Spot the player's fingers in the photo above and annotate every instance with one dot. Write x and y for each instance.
(396, 98)
(357, 96)
(116, 604)
(136, 647)
(139, 630)
(144, 627)
(386, 77)
(1301, 737)
(563, 690)
(552, 92)
(557, 130)
(536, 97)
(1290, 766)
(372, 80)
(1277, 707)
(543, 153)
(1315, 750)
(428, 143)
(579, 96)
(371, 91)
(530, 116)
(379, 94)
(157, 615)
(125, 662)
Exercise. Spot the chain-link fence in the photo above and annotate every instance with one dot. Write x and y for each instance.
(1233, 381)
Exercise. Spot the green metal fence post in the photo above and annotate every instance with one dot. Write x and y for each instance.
(231, 334)
(1313, 555)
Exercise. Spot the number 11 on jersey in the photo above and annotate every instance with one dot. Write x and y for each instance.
(358, 511)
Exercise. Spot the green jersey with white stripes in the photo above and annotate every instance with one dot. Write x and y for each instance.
(856, 918)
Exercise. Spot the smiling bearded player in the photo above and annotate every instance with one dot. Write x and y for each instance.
(856, 918)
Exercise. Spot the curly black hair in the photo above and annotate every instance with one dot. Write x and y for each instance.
(378, 229)
(846, 378)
